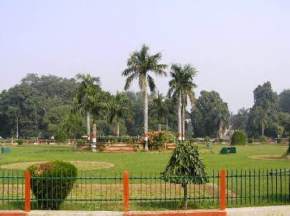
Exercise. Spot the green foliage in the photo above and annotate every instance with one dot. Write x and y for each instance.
(19, 142)
(263, 139)
(239, 138)
(263, 116)
(157, 139)
(250, 140)
(185, 164)
(210, 116)
(284, 101)
(52, 182)
(185, 167)
(28, 103)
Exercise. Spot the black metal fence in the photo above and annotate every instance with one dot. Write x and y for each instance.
(244, 188)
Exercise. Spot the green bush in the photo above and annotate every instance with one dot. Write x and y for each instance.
(52, 182)
(157, 139)
(19, 142)
(238, 138)
(250, 140)
(263, 139)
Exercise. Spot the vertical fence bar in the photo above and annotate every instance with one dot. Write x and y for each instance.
(222, 190)
(27, 205)
(126, 191)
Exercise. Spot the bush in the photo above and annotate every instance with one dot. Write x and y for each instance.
(238, 138)
(19, 142)
(185, 167)
(157, 139)
(263, 139)
(250, 140)
(52, 182)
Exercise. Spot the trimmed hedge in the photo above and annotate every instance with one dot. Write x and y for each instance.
(238, 138)
(52, 182)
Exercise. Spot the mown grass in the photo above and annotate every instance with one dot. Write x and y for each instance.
(150, 162)
(152, 192)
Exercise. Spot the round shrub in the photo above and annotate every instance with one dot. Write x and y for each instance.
(19, 142)
(157, 139)
(51, 183)
(238, 138)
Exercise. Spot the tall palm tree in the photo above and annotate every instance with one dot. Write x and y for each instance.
(181, 87)
(118, 109)
(86, 100)
(139, 65)
(159, 109)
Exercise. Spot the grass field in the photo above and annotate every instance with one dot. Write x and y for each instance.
(151, 192)
(144, 162)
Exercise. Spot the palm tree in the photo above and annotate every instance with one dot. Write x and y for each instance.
(159, 109)
(181, 87)
(118, 109)
(86, 100)
(139, 65)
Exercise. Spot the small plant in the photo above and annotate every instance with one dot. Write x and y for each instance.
(157, 139)
(185, 167)
(263, 139)
(250, 140)
(52, 182)
(238, 138)
(19, 142)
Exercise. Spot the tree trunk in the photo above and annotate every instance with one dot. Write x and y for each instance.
(159, 127)
(17, 128)
(183, 122)
(118, 129)
(94, 143)
(185, 200)
(262, 129)
(179, 118)
(145, 117)
(88, 126)
(288, 151)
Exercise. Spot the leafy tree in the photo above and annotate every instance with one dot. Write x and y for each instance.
(210, 116)
(240, 120)
(181, 87)
(264, 114)
(185, 167)
(118, 110)
(85, 99)
(284, 101)
(159, 110)
(139, 65)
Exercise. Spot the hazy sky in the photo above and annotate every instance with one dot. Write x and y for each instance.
(235, 45)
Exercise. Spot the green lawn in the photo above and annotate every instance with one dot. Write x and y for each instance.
(150, 162)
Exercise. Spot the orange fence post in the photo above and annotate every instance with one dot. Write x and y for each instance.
(223, 201)
(27, 205)
(126, 191)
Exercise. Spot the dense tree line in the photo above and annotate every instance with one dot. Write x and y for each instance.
(51, 106)
(269, 116)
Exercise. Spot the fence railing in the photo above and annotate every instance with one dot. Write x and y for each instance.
(231, 188)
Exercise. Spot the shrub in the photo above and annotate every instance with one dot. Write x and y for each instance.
(263, 139)
(185, 167)
(52, 182)
(19, 142)
(238, 138)
(250, 140)
(157, 139)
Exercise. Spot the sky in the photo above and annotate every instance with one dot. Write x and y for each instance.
(235, 45)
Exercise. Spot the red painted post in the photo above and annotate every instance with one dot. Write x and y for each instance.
(126, 191)
(223, 200)
(27, 205)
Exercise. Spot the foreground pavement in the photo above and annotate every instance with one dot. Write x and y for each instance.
(251, 211)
